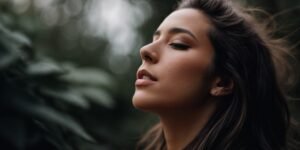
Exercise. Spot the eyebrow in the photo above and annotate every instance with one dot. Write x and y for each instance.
(176, 30)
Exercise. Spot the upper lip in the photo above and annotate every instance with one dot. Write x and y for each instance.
(144, 72)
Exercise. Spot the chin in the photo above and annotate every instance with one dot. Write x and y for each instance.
(144, 102)
(140, 102)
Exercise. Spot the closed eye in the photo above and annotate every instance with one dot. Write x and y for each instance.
(179, 46)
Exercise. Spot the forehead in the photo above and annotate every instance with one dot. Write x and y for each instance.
(188, 18)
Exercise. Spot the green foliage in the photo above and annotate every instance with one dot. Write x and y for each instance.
(37, 96)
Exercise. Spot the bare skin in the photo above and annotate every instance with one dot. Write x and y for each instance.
(180, 129)
(175, 80)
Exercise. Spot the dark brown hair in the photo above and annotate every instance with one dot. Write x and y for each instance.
(255, 115)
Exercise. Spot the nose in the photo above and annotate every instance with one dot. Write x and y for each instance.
(149, 54)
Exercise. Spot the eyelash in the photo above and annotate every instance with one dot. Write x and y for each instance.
(179, 46)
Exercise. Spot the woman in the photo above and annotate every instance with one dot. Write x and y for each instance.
(213, 76)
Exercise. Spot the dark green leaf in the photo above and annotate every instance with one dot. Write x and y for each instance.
(98, 96)
(70, 96)
(49, 114)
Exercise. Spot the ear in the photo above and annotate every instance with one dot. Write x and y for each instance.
(221, 87)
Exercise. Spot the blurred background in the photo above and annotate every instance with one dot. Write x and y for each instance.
(67, 69)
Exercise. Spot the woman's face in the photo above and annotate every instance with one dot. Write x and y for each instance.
(176, 65)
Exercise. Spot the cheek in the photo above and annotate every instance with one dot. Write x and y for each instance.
(187, 85)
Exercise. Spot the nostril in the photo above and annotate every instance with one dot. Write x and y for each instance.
(148, 54)
(148, 58)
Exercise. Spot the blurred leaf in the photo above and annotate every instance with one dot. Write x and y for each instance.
(15, 40)
(44, 68)
(98, 96)
(19, 39)
(13, 46)
(8, 51)
(88, 76)
(70, 96)
(7, 59)
(47, 113)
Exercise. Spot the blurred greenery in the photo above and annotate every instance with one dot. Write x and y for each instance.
(67, 69)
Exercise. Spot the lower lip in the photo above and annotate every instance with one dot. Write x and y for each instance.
(143, 82)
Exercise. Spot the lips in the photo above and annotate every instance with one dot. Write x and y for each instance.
(145, 75)
(144, 78)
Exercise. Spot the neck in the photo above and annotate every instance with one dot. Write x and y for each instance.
(180, 128)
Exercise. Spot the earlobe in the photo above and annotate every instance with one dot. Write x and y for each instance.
(221, 87)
